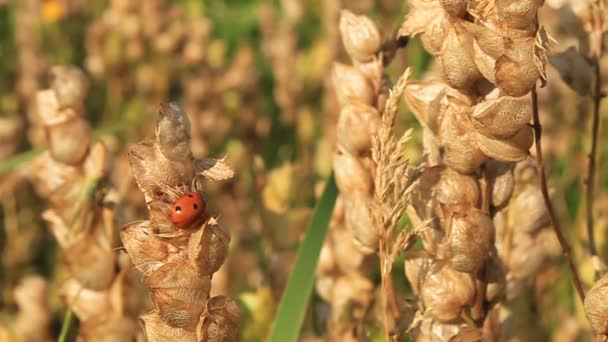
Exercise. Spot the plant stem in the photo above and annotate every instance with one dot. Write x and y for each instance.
(590, 180)
(543, 187)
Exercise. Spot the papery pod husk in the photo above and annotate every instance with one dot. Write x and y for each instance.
(147, 252)
(360, 36)
(471, 238)
(489, 39)
(179, 292)
(457, 138)
(90, 302)
(446, 292)
(151, 168)
(574, 69)
(482, 9)
(516, 70)
(69, 141)
(69, 84)
(173, 133)
(456, 62)
(108, 328)
(429, 19)
(357, 211)
(34, 317)
(373, 71)
(351, 85)
(502, 118)
(219, 321)
(513, 149)
(484, 63)
(157, 330)
(501, 180)
(424, 100)
(346, 251)
(495, 277)
(90, 260)
(352, 291)
(351, 175)
(525, 257)
(208, 247)
(356, 125)
(432, 330)
(456, 8)
(455, 188)
(527, 211)
(519, 14)
(416, 269)
(596, 306)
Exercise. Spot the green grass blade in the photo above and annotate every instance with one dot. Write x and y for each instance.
(294, 302)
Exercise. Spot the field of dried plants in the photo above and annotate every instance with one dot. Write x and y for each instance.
(301, 170)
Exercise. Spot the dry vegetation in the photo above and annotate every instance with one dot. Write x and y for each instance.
(466, 138)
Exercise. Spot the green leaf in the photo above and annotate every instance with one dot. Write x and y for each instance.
(294, 302)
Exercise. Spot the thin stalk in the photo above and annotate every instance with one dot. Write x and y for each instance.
(543, 188)
(590, 180)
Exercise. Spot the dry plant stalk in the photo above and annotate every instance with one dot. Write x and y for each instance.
(476, 128)
(394, 183)
(68, 176)
(177, 264)
(343, 274)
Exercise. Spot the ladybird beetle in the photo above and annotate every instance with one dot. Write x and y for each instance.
(188, 209)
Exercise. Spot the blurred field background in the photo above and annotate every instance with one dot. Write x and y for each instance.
(253, 76)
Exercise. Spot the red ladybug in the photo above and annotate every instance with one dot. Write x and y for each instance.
(188, 209)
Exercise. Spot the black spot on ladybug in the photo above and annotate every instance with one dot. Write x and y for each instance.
(195, 206)
(190, 195)
(178, 209)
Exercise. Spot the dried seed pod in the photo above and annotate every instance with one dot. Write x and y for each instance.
(70, 85)
(177, 305)
(360, 36)
(527, 211)
(574, 69)
(455, 188)
(90, 262)
(516, 69)
(356, 125)
(456, 8)
(208, 247)
(446, 292)
(357, 208)
(501, 180)
(487, 38)
(456, 62)
(518, 14)
(596, 306)
(503, 117)
(525, 258)
(508, 150)
(173, 132)
(416, 270)
(219, 321)
(351, 175)
(457, 138)
(158, 330)
(470, 239)
(69, 141)
(147, 252)
(429, 19)
(351, 85)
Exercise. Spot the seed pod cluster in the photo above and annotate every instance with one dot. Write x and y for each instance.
(68, 176)
(345, 258)
(177, 262)
(476, 122)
